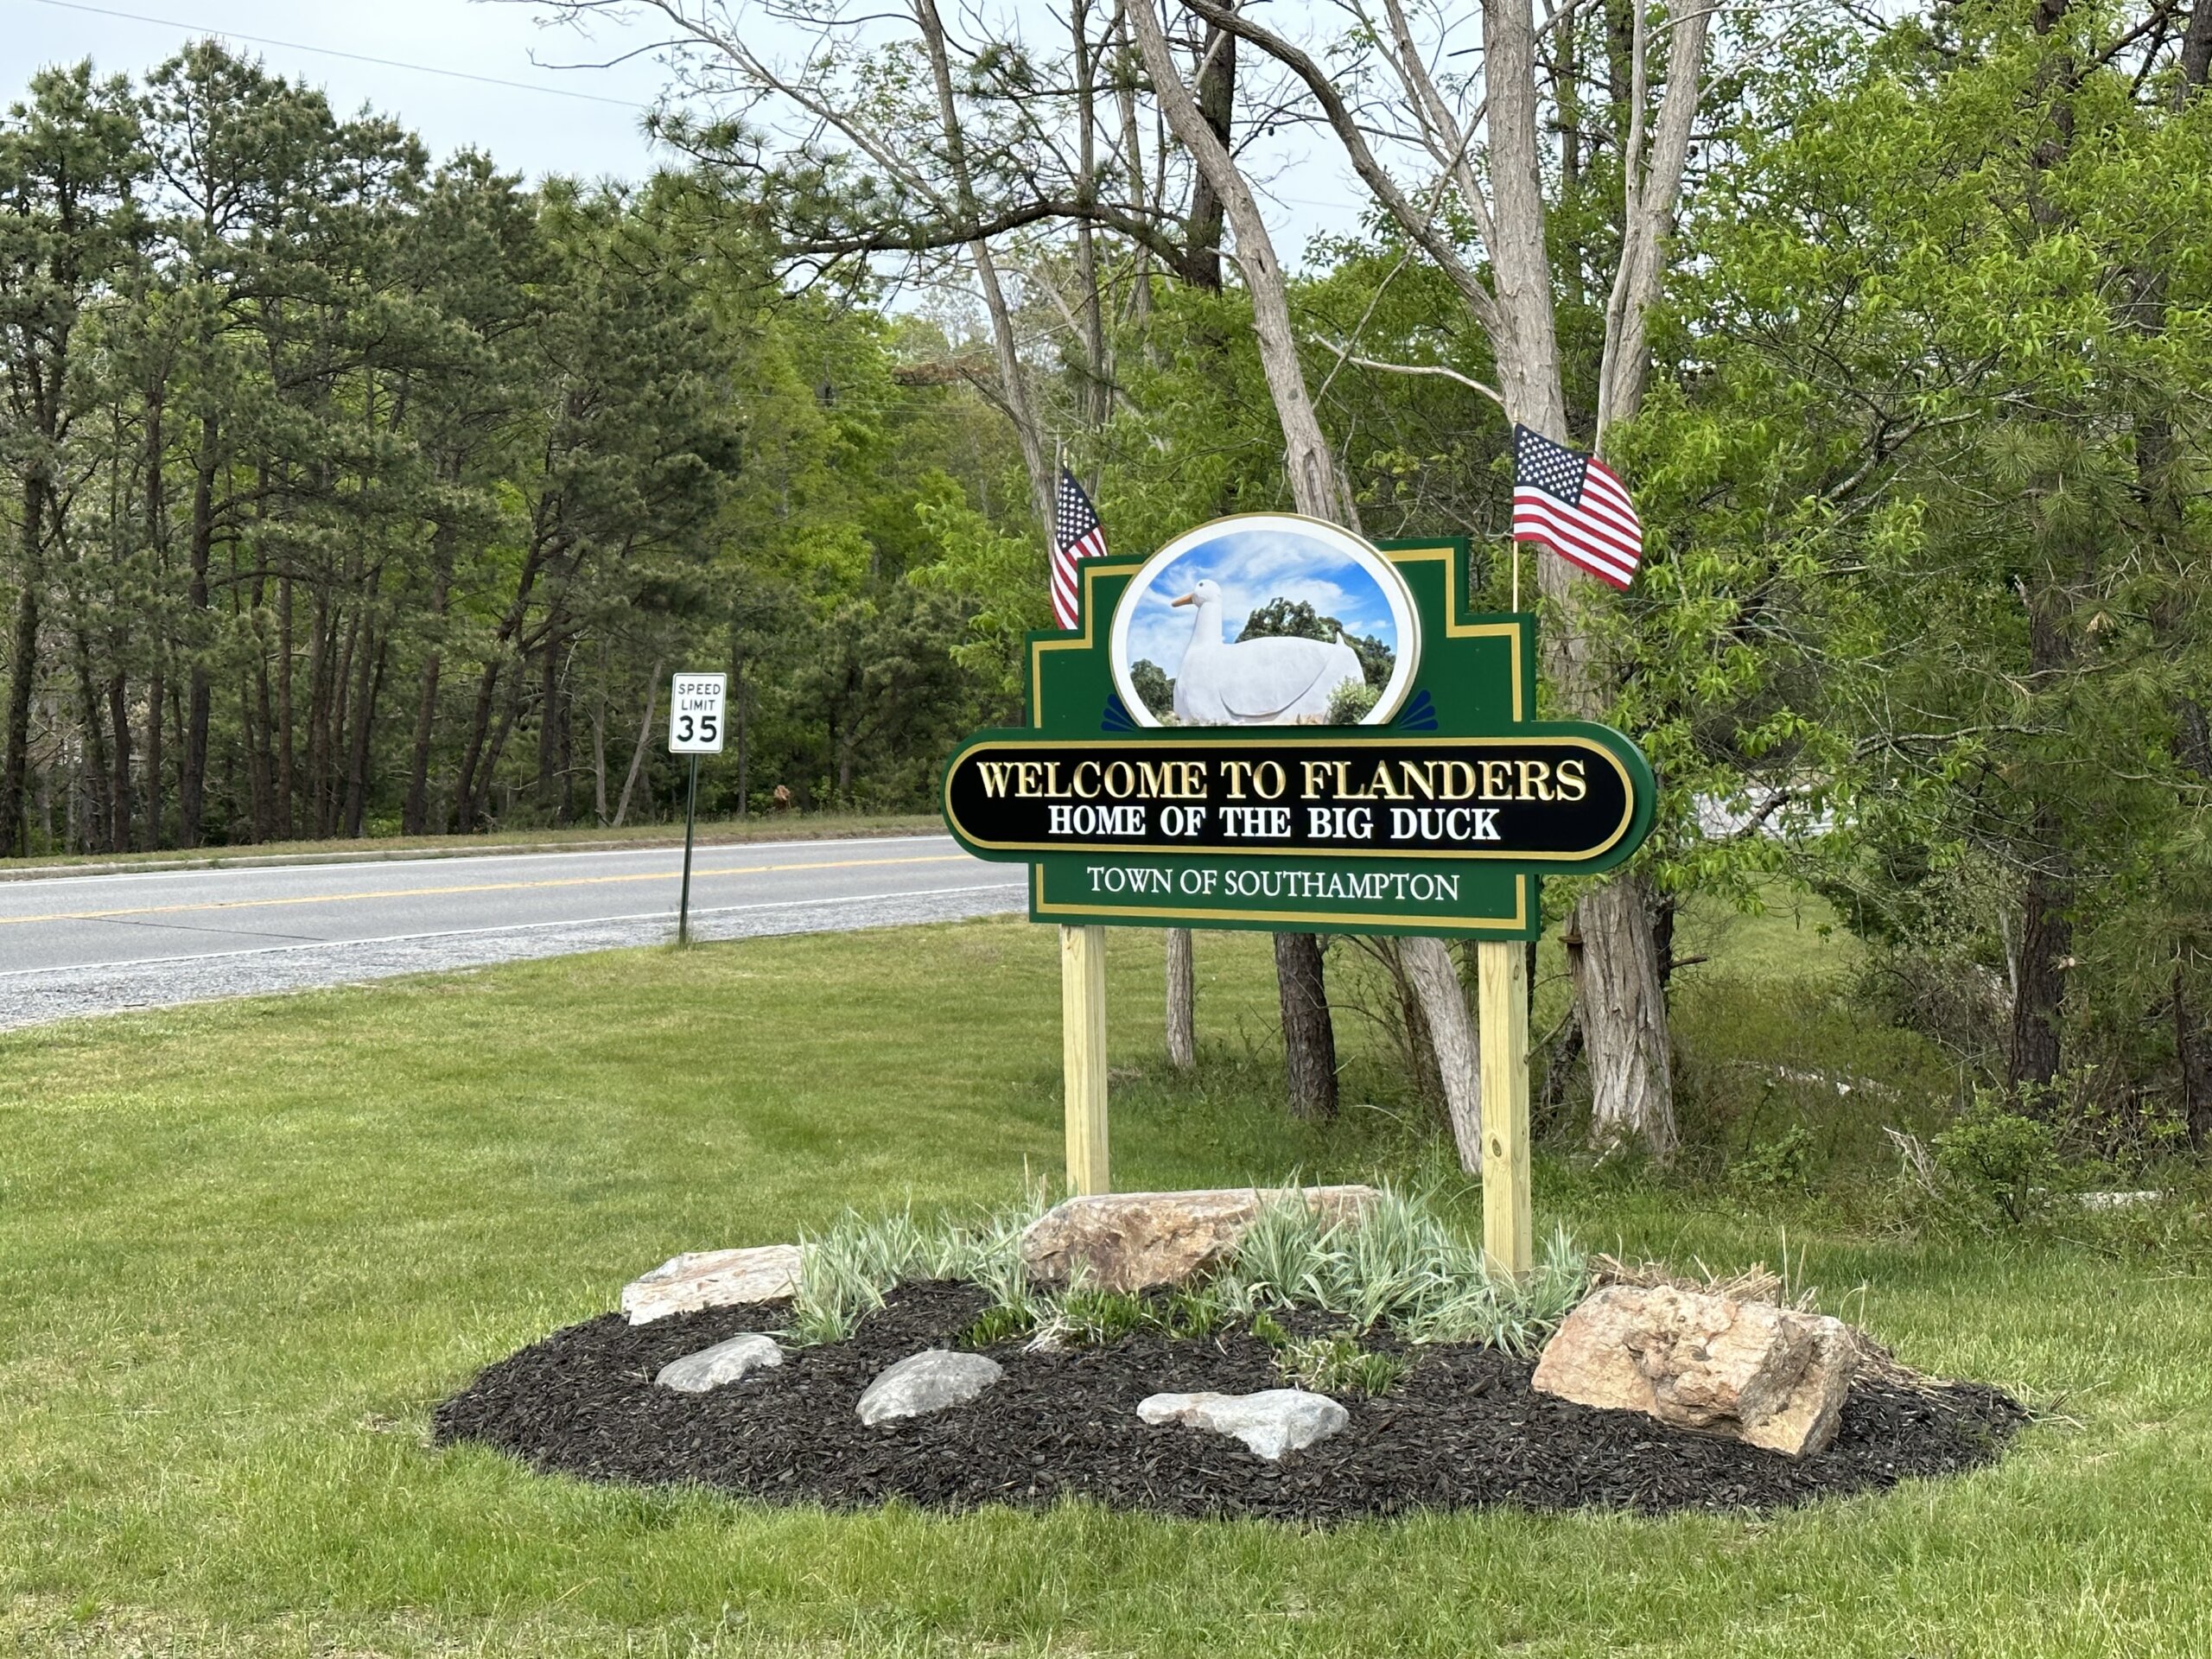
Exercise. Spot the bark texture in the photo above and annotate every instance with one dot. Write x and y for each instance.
(1616, 991)
(1182, 999)
(1309, 1039)
(1451, 1033)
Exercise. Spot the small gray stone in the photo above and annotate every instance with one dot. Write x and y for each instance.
(1270, 1423)
(725, 1362)
(927, 1381)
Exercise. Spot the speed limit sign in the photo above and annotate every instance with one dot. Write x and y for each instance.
(695, 714)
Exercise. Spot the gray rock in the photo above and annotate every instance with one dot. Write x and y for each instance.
(1270, 1423)
(725, 1362)
(697, 1278)
(927, 1381)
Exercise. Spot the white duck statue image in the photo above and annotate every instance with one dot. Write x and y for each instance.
(1279, 681)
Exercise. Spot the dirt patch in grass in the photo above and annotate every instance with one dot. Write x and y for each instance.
(1462, 1429)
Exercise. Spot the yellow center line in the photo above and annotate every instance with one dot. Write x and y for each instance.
(482, 887)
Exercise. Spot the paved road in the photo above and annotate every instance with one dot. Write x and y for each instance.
(95, 944)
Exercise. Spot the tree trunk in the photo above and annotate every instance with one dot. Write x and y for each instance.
(738, 720)
(2046, 939)
(23, 673)
(415, 814)
(256, 806)
(549, 783)
(119, 807)
(266, 811)
(637, 754)
(1182, 1002)
(357, 770)
(92, 764)
(2193, 1054)
(192, 780)
(1027, 430)
(156, 692)
(1622, 1010)
(1451, 1033)
(1202, 229)
(1309, 1039)
(287, 782)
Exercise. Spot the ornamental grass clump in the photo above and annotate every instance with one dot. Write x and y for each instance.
(1399, 1265)
(1402, 1265)
(844, 1274)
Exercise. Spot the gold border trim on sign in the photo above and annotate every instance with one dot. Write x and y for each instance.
(1565, 741)
(1329, 918)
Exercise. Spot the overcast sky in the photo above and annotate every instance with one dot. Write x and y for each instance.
(531, 129)
(532, 132)
(538, 128)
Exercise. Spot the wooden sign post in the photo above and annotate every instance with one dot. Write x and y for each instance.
(1082, 1050)
(1382, 775)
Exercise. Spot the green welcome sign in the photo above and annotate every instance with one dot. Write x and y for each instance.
(1271, 723)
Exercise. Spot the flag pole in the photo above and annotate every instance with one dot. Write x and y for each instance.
(1083, 997)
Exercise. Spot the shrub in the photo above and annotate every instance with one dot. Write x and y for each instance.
(1994, 1161)
(1350, 702)
(1785, 1164)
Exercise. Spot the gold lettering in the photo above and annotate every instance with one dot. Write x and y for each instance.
(1194, 779)
(1344, 779)
(1420, 779)
(1497, 780)
(1317, 776)
(1572, 787)
(1236, 772)
(995, 774)
(1121, 779)
(1536, 781)
(1380, 787)
(1032, 780)
(1260, 775)
(1459, 780)
(1075, 780)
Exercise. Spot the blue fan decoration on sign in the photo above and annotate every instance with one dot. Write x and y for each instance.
(1116, 717)
(1418, 715)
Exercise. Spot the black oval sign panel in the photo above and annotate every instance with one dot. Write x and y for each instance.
(1536, 799)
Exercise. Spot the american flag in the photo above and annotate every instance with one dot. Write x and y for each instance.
(1576, 505)
(1077, 534)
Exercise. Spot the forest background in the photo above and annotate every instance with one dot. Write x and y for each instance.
(347, 492)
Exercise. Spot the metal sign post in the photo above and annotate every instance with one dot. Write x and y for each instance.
(695, 727)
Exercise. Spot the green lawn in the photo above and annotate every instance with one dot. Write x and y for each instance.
(245, 1247)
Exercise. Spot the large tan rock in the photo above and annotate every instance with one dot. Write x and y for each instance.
(1742, 1370)
(699, 1279)
(1138, 1240)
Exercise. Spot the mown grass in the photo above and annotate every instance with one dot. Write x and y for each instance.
(245, 1247)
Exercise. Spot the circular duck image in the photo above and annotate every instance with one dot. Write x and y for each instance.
(1264, 619)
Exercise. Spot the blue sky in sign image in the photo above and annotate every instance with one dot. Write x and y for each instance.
(1253, 567)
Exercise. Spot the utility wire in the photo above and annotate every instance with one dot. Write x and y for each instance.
(353, 57)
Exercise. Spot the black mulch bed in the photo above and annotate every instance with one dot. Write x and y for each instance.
(1462, 1430)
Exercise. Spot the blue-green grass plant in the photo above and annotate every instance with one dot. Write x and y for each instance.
(1401, 1264)
(846, 1271)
